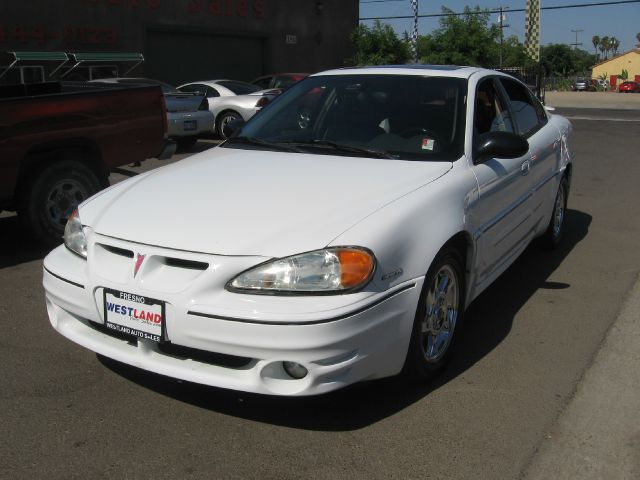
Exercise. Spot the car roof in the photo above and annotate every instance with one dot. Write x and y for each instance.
(413, 69)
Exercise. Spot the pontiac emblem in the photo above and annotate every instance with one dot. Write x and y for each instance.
(138, 264)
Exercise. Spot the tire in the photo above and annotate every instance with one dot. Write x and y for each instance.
(433, 336)
(223, 120)
(553, 235)
(186, 143)
(50, 196)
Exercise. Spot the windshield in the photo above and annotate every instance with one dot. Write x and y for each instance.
(386, 116)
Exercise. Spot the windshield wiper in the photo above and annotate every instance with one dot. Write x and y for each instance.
(262, 143)
(341, 147)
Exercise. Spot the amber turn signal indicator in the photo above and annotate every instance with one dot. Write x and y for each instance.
(356, 266)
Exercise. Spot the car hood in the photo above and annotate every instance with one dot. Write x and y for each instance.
(241, 202)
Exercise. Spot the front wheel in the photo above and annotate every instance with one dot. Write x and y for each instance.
(438, 317)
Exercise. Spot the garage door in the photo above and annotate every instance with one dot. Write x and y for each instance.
(179, 57)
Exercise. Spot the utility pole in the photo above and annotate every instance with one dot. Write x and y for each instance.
(575, 45)
(502, 26)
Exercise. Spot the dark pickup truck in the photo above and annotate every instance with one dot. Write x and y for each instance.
(59, 142)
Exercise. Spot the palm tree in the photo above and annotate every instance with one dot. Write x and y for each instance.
(604, 47)
(615, 44)
(596, 42)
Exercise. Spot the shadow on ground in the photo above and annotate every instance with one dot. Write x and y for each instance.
(17, 245)
(488, 322)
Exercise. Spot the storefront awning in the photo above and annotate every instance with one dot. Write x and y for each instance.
(76, 59)
(105, 57)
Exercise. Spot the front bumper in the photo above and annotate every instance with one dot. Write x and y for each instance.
(232, 340)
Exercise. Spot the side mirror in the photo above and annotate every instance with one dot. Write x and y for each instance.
(500, 145)
(233, 128)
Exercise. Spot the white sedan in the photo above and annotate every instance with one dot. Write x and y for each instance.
(298, 258)
(231, 100)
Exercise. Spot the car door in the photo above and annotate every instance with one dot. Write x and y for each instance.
(544, 147)
(503, 212)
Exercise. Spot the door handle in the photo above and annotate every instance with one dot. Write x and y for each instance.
(525, 167)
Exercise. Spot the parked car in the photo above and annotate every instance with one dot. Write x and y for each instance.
(188, 115)
(629, 87)
(231, 100)
(279, 80)
(296, 260)
(583, 85)
(601, 84)
(59, 142)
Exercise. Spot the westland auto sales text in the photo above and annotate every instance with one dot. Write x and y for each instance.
(148, 317)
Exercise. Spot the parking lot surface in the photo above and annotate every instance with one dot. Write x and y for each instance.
(529, 338)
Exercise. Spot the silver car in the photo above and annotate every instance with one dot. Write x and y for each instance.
(231, 100)
(188, 114)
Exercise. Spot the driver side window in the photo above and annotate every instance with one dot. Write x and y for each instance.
(491, 114)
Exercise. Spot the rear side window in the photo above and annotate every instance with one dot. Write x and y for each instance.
(529, 114)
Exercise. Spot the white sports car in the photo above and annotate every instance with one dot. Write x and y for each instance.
(298, 258)
(231, 100)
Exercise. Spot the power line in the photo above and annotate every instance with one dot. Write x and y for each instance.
(381, 1)
(510, 10)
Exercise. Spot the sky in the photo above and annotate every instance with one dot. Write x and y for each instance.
(620, 21)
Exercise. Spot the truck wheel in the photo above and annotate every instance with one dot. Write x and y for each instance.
(51, 195)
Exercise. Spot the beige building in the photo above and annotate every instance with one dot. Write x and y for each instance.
(613, 67)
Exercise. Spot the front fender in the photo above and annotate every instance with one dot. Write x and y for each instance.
(406, 234)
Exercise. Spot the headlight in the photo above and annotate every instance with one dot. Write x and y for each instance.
(328, 271)
(74, 238)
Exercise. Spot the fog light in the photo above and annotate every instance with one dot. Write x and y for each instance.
(295, 370)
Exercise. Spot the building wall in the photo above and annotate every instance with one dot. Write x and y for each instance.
(185, 40)
(629, 61)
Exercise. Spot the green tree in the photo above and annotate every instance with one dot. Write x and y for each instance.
(561, 60)
(465, 39)
(595, 40)
(615, 44)
(638, 39)
(605, 46)
(513, 54)
(557, 60)
(378, 45)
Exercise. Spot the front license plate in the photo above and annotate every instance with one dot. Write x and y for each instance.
(135, 315)
(190, 125)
